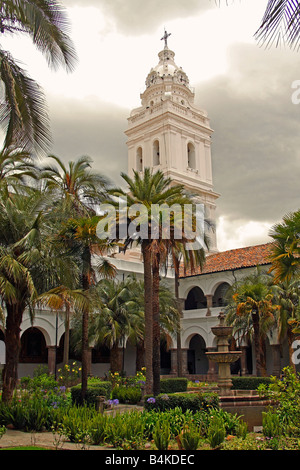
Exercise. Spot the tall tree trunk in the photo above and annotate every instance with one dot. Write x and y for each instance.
(146, 251)
(85, 325)
(178, 335)
(291, 338)
(140, 355)
(116, 358)
(12, 349)
(257, 344)
(67, 335)
(156, 325)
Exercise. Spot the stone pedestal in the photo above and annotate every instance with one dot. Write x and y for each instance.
(244, 368)
(212, 373)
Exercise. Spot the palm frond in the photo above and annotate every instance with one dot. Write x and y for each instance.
(280, 23)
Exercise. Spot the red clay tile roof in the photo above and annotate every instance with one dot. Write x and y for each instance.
(233, 259)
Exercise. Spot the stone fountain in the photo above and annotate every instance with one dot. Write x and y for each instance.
(223, 356)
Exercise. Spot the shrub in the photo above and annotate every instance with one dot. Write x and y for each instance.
(249, 383)
(28, 414)
(75, 421)
(176, 418)
(173, 385)
(124, 428)
(69, 374)
(271, 424)
(216, 431)
(162, 435)
(189, 438)
(285, 392)
(97, 428)
(185, 401)
(124, 394)
(94, 390)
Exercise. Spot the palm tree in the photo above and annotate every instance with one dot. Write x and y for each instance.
(76, 185)
(251, 309)
(23, 113)
(63, 298)
(16, 169)
(79, 235)
(114, 317)
(169, 317)
(285, 249)
(287, 296)
(29, 264)
(192, 258)
(280, 24)
(146, 191)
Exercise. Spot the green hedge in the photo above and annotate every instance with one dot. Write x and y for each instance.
(185, 401)
(173, 385)
(249, 383)
(94, 390)
(124, 394)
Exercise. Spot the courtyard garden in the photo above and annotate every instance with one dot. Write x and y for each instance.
(185, 416)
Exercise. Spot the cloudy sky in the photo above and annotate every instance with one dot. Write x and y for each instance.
(245, 88)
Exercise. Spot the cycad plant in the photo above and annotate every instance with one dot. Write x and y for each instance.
(251, 310)
(23, 113)
(29, 264)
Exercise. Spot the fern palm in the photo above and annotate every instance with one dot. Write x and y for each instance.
(75, 185)
(251, 309)
(29, 264)
(285, 249)
(24, 115)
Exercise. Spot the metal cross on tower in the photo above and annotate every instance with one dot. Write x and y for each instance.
(165, 38)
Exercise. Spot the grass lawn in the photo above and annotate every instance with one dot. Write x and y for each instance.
(25, 448)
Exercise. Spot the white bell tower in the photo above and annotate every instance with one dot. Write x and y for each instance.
(168, 132)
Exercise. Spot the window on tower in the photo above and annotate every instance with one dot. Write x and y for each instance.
(139, 159)
(156, 153)
(191, 156)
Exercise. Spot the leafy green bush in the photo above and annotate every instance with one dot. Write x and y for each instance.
(271, 424)
(94, 390)
(285, 394)
(75, 421)
(216, 431)
(249, 383)
(185, 401)
(162, 435)
(172, 385)
(28, 414)
(123, 428)
(124, 394)
(190, 438)
(175, 417)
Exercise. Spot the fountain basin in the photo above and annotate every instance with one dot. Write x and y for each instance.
(222, 331)
(224, 357)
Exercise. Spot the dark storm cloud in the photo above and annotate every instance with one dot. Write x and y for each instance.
(139, 17)
(90, 127)
(256, 143)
